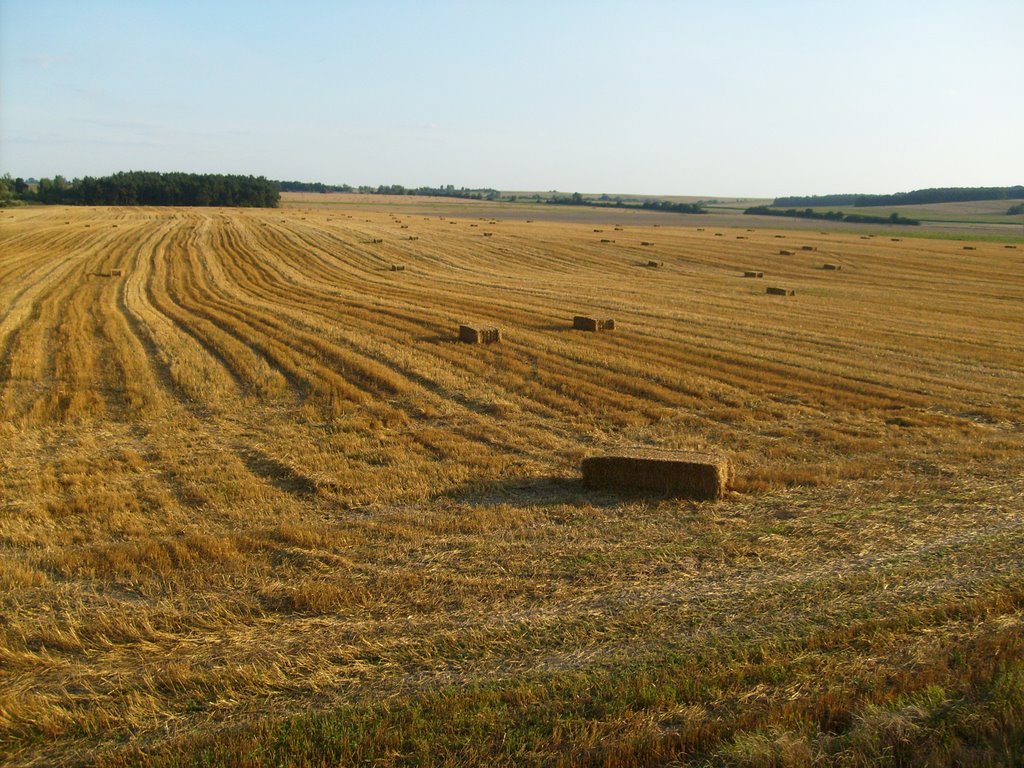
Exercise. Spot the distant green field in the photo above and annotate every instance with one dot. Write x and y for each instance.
(980, 212)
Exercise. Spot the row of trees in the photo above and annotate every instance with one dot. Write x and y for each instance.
(449, 190)
(849, 218)
(916, 197)
(605, 202)
(151, 188)
(306, 186)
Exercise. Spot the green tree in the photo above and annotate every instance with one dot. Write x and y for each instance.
(6, 189)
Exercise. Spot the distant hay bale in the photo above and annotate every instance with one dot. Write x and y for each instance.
(529, 221)
(751, 230)
(780, 291)
(741, 237)
(116, 273)
(784, 252)
(404, 226)
(414, 237)
(894, 239)
(969, 248)
(398, 267)
(606, 240)
(599, 230)
(472, 334)
(618, 229)
(676, 473)
(488, 234)
(655, 263)
(474, 225)
(1010, 246)
(646, 242)
(700, 229)
(582, 323)
(719, 234)
(752, 273)
(835, 267)
(864, 237)
(781, 237)
(808, 248)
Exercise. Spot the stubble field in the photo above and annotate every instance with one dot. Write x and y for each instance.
(257, 506)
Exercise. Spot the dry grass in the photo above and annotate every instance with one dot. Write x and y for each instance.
(257, 505)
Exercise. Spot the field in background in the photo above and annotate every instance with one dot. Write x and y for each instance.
(258, 506)
(984, 219)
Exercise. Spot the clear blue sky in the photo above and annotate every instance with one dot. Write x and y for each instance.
(709, 98)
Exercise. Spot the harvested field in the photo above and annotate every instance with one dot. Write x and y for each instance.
(259, 505)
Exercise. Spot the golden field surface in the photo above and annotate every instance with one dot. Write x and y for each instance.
(258, 506)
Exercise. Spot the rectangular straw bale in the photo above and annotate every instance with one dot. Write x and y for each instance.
(472, 334)
(784, 252)
(780, 291)
(398, 267)
(835, 267)
(678, 473)
(752, 273)
(583, 323)
(115, 273)
(655, 263)
(808, 248)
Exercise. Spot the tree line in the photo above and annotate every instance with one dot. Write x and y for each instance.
(152, 188)
(848, 218)
(652, 205)
(916, 197)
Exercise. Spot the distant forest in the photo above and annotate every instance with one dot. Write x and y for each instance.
(849, 218)
(151, 188)
(917, 197)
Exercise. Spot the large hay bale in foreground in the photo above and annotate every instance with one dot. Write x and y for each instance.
(472, 334)
(677, 473)
(582, 323)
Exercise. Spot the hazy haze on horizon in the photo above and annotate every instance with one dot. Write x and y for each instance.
(673, 98)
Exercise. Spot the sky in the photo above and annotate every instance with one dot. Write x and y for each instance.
(726, 98)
